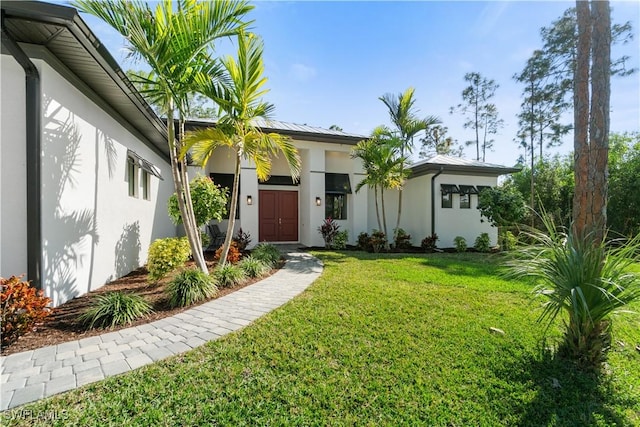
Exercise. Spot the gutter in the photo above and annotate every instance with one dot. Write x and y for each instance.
(33, 169)
(433, 200)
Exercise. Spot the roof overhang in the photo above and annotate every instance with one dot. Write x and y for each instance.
(67, 37)
(432, 168)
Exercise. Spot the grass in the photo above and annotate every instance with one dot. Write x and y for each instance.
(407, 343)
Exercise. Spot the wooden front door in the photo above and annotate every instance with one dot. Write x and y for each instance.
(278, 211)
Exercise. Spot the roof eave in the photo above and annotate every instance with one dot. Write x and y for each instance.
(430, 168)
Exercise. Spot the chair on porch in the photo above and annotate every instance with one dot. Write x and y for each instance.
(217, 237)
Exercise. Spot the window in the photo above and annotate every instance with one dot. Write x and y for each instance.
(132, 176)
(335, 206)
(336, 187)
(465, 201)
(146, 185)
(225, 180)
(447, 200)
(447, 194)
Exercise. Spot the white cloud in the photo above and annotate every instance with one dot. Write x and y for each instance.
(302, 73)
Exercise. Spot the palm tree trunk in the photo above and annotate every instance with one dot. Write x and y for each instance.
(179, 187)
(384, 220)
(232, 213)
(375, 194)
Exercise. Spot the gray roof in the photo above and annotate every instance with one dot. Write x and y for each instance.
(296, 131)
(459, 166)
(61, 30)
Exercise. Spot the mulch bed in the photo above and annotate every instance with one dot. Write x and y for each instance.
(62, 325)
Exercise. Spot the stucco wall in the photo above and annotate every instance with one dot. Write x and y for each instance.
(13, 202)
(93, 231)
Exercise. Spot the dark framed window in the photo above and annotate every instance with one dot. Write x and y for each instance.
(336, 187)
(335, 206)
(225, 180)
(465, 201)
(447, 194)
(132, 176)
(146, 185)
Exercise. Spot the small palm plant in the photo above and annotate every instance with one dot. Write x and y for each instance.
(585, 280)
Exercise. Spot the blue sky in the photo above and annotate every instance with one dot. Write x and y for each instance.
(328, 62)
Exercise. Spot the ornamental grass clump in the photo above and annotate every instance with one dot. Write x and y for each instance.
(191, 286)
(253, 267)
(229, 275)
(115, 309)
(267, 253)
(584, 280)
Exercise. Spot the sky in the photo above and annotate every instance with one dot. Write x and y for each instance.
(328, 62)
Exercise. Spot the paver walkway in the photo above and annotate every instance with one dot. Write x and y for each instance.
(36, 374)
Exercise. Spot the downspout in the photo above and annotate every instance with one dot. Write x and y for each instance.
(433, 200)
(33, 169)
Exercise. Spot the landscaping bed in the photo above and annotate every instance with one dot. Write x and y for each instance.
(63, 324)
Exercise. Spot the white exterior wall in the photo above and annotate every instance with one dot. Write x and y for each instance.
(13, 175)
(317, 158)
(92, 230)
(452, 222)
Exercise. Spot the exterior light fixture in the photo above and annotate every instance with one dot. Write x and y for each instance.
(249, 200)
(318, 201)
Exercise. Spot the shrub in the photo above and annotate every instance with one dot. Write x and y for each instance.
(115, 308)
(233, 256)
(340, 241)
(364, 242)
(229, 275)
(166, 255)
(242, 240)
(460, 243)
(429, 242)
(329, 230)
(266, 253)
(508, 241)
(209, 202)
(253, 267)
(402, 239)
(23, 307)
(190, 286)
(378, 241)
(482, 243)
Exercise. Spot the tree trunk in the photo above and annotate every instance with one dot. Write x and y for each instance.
(582, 196)
(591, 137)
(384, 220)
(179, 187)
(232, 213)
(375, 195)
(599, 120)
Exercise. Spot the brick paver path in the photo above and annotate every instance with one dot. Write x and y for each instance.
(36, 374)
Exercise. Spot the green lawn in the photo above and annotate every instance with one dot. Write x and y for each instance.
(377, 340)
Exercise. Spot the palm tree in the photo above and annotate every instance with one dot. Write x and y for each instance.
(408, 125)
(583, 279)
(240, 105)
(175, 43)
(383, 166)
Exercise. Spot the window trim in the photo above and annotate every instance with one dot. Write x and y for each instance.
(132, 177)
(146, 185)
(327, 206)
(446, 204)
(467, 205)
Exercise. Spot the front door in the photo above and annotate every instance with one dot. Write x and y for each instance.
(278, 211)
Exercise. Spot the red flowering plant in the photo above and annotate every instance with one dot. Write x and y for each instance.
(23, 307)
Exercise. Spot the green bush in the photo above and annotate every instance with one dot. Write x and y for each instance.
(208, 199)
(508, 241)
(267, 253)
(253, 267)
(114, 309)
(460, 243)
(190, 286)
(364, 242)
(341, 239)
(429, 242)
(229, 275)
(378, 241)
(329, 230)
(482, 243)
(166, 255)
(402, 239)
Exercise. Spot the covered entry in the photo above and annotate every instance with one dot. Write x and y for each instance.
(278, 212)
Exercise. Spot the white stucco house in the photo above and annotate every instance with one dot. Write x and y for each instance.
(85, 173)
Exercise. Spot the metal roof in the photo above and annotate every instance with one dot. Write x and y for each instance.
(63, 32)
(309, 133)
(457, 165)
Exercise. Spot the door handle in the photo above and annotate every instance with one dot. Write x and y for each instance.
(279, 221)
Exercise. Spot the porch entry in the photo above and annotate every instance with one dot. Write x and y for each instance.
(278, 212)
